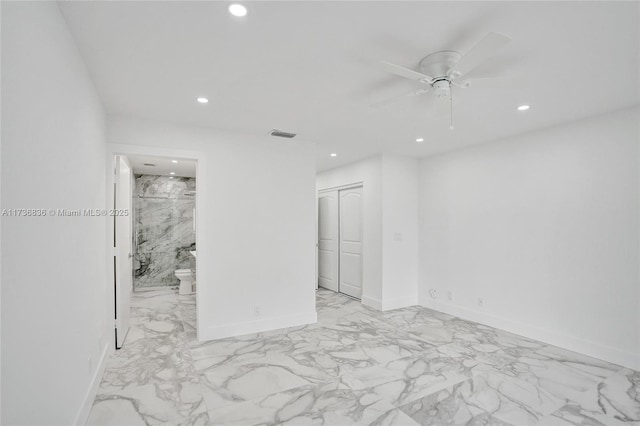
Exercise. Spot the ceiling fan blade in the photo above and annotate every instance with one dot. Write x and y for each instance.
(388, 101)
(506, 83)
(405, 72)
(496, 67)
(478, 53)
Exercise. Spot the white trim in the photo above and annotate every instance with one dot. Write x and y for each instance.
(399, 302)
(257, 326)
(90, 396)
(372, 303)
(341, 187)
(572, 343)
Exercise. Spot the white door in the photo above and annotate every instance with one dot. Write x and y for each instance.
(350, 271)
(123, 261)
(328, 240)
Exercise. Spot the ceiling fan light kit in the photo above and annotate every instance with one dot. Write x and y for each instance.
(442, 89)
(442, 70)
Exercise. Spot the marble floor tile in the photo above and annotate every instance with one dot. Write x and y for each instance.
(153, 404)
(619, 395)
(573, 414)
(152, 379)
(614, 401)
(241, 349)
(332, 403)
(407, 379)
(230, 384)
(484, 399)
(576, 361)
(355, 366)
(413, 316)
(512, 344)
(115, 412)
(201, 419)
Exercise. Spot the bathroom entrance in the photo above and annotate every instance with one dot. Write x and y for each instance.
(155, 252)
(164, 232)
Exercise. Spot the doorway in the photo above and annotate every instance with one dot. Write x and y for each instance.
(340, 240)
(154, 239)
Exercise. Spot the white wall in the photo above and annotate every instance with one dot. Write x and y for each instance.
(399, 231)
(390, 228)
(0, 237)
(544, 227)
(369, 173)
(256, 223)
(54, 289)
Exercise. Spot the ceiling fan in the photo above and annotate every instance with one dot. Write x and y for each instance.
(443, 70)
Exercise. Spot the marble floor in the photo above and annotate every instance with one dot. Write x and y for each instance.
(356, 366)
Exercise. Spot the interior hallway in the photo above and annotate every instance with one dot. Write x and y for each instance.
(355, 366)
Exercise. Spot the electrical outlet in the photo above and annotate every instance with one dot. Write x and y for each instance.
(433, 293)
(480, 301)
(256, 310)
(450, 295)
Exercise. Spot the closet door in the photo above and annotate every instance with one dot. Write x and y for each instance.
(350, 214)
(328, 240)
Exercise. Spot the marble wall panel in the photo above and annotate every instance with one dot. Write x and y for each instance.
(163, 229)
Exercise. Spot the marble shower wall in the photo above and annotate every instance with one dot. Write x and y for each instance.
(163, 229)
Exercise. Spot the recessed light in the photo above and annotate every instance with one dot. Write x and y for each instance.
(170, 177)
(333, 154)
(172, 173)
(523, 107)
(237, 9)
(420, 140)
(174, 161)
(202, 100)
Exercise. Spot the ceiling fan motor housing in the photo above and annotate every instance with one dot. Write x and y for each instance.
(437, 65)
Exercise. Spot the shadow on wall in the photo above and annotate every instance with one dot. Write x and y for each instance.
(163, 229)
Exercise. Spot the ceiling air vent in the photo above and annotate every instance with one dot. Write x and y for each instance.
(149, 164)
(281, 134)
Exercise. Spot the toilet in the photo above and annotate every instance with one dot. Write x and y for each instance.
(187, 280)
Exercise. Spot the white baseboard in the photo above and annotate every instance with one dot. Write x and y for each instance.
(572, 343)
(387, 305)
(372, 303)
(249, 327)
(90, 396)
(399, 302)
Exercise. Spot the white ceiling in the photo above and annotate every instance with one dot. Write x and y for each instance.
(310, 67)
(163, 166)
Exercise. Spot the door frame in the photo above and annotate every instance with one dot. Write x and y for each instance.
(118, 254)
(359, 184)
(128, 150)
